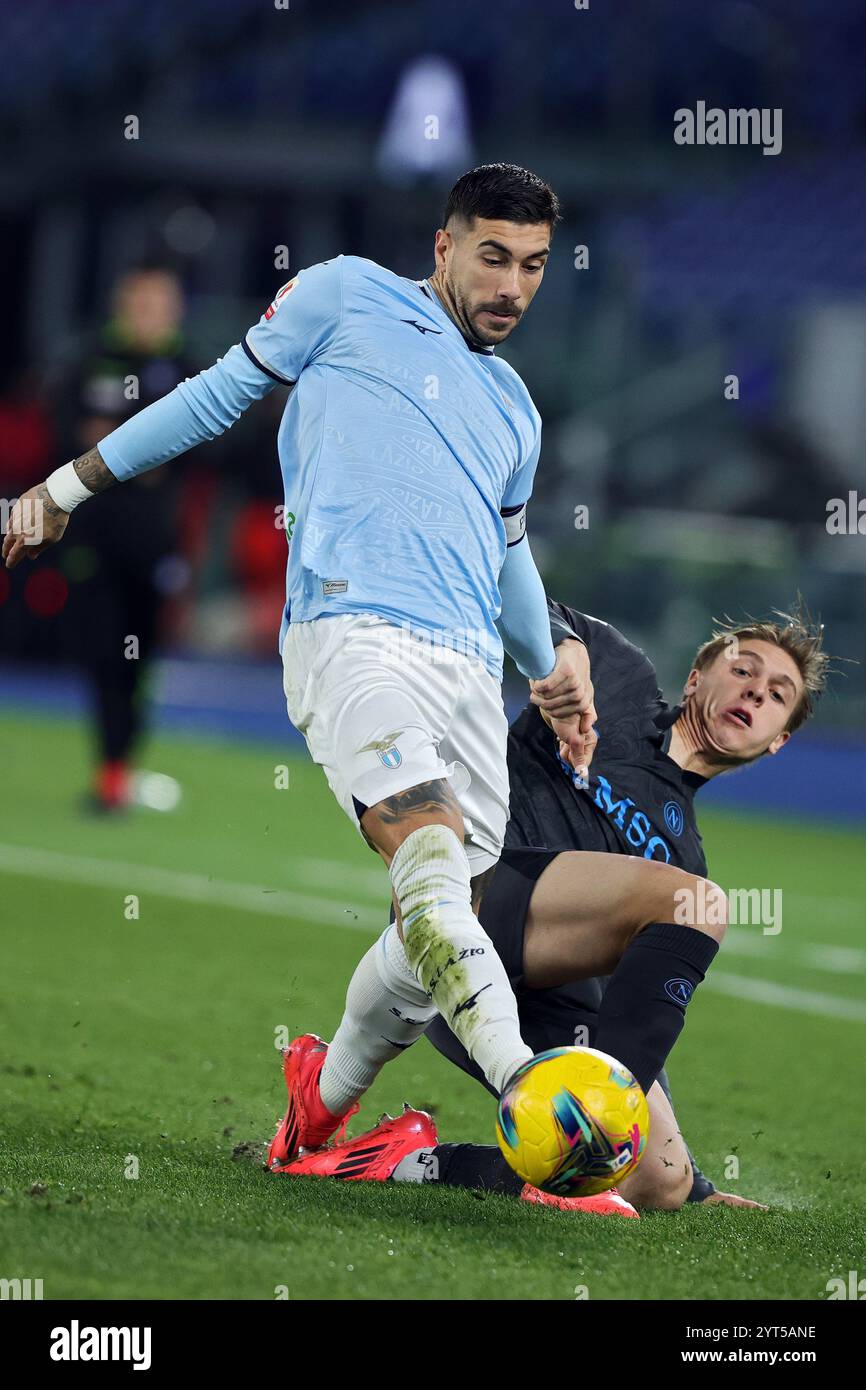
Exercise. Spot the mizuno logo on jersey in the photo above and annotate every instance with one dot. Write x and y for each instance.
(422, 328)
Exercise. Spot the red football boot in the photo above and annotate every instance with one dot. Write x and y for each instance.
(604, 1204)
(373, 1156)
(307, 1124)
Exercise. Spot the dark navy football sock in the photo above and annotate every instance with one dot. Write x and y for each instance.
(475, 1165)
(643, 1008)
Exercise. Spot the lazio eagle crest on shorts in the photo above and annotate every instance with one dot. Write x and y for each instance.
(386, 752)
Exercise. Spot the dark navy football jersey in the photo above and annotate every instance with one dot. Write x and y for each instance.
(638, 801)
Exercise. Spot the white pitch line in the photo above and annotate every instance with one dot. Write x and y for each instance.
(32, 862)
(841, 960)
(29, 862)
(374, 882)
(813, 955)
(803, 1001)
(813, 903)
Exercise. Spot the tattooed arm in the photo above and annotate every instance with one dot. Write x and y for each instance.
(36, 521)
(196, 410)
(93, 471)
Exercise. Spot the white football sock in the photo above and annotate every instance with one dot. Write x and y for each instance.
(386, 1011)
(452, 956)
(422, 1165)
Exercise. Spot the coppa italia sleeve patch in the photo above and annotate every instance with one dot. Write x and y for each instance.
(279, 297)
(515, 523)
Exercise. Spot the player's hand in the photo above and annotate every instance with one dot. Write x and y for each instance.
(565, 700)
(730, 1199)
(567, 691)
(575, 747)
(35, 522)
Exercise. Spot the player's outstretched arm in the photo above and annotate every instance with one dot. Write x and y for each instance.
(298, 325)
(198, 409)
(559, 677)
(38, 519)
(523, 622)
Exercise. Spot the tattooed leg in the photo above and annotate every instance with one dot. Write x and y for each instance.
(435, 957)
(451, 955)
(391, 820)
(386, 1007)
(387, 824)
(419, 834)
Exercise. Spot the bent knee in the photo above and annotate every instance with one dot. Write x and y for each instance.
(389, 823)
(704, 906)
(715, 922)
(666, 1189)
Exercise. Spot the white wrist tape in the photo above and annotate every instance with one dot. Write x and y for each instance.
(66, 488)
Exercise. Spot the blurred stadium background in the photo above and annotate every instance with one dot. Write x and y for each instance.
(304, 128)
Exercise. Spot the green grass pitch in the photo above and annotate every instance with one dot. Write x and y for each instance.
(148, 1041)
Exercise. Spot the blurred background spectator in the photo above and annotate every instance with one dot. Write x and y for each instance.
(123, 562)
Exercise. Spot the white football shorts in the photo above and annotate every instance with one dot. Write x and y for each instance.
(382, 710)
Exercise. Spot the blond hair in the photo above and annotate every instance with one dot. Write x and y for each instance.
(794, 633)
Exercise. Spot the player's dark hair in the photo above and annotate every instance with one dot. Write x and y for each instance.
(795, 633)
(505, 192)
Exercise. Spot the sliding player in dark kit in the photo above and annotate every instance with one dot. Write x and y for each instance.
(546, 909)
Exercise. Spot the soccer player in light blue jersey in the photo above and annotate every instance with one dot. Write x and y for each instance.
(408, 451)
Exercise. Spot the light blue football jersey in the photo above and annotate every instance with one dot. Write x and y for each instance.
(400, 446)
